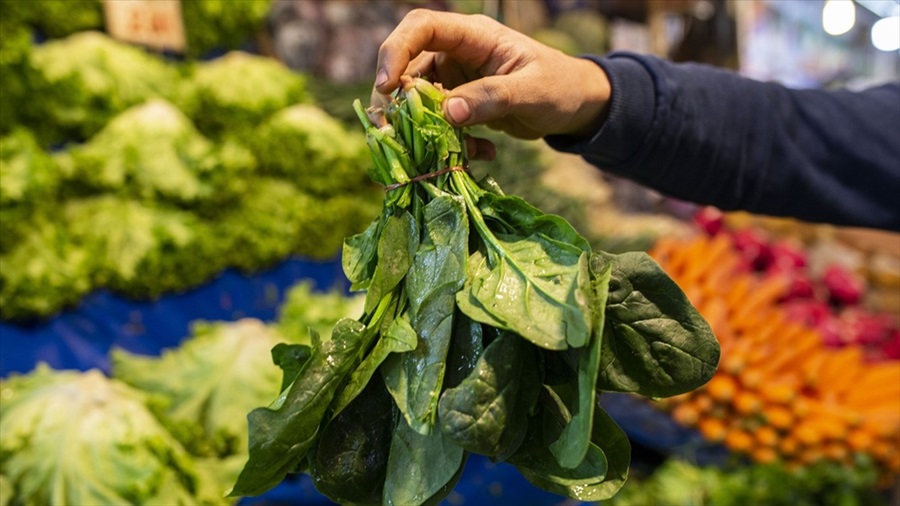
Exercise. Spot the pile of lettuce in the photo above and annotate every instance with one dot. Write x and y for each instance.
(824, 483)
(166, 174)
(166, 430)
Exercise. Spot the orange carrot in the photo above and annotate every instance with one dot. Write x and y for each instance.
(712, 429)
(738, 440)
(860, 440)
(764, 455)
(766, 436)
(722, 387)
(686, 414)
(746, 403)
(778, 416)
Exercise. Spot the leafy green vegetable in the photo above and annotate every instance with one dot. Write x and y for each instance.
(304, 144)
(488, 412)
(43, 273)
(80, 438)
(141, 250)
(304, 309)
(222, 24)
(658, 344)
(825, 483)
(235, 93)
(489, 322)
(153, 152)
(288, 430)
(208, 383)
(408, 481)
(91, 78)
(351, 458)
(29, 184)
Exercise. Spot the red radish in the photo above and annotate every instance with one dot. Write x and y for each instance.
(754, 247)
(787, 255)
(891, 347)
(844, 287)
(710, 219)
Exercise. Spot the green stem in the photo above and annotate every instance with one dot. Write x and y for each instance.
(462, 188)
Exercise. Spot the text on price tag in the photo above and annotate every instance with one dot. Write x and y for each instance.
(156, 24)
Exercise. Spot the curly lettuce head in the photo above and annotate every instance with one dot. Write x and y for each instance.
(209, 383)
(152, 151)
(43, 273)
(80, 438)
(92, 78)
(234, 93)
(306, 145)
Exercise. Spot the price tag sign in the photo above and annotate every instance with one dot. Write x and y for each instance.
(157, 24)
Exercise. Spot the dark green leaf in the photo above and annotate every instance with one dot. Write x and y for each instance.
(351, 455)
(607, 436)
(290, 358)
(512, 214)
(415, 378)
(538, 465)
(420, 466)
(488, 412)
(466, 346)
(572, 445)
(534, 286)
(281, 435)
(656, 343)
(360, 254)
(396, 247)
(398, 338)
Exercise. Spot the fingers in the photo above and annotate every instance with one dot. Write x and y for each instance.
(466, 38)
(480, 149)
(480, 101)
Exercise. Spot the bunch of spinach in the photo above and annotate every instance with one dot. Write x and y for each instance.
(489, 327)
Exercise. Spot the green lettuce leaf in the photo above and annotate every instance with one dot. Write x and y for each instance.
(80, 438)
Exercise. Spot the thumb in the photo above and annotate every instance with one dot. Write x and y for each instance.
(479, 101)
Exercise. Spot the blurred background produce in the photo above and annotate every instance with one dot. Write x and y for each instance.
(166, 217)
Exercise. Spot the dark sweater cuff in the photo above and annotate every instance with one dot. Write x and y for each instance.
(630, 119)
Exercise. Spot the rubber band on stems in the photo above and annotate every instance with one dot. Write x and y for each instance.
(423, 177)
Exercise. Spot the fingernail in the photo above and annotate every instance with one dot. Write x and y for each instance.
(381, 78)
(458, 110)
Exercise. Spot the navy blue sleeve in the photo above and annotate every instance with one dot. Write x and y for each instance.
(711, 136)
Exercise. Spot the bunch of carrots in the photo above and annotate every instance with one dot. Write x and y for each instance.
(780, 392)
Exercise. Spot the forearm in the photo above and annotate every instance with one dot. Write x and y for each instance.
(710, 136)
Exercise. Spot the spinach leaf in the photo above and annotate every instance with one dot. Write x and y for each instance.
(609, 437)
(572, 445)
(511, 214)
(398, 338)
(539, 466)
(533, 286)
(415, 378)
(396, 246)
(350, 460)
(488, 412)
(290, 358)
(360, 254)
(466, 347)
(280, 438)
(657, 344)
(420, 466)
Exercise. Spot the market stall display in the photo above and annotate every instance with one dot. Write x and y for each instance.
(784, 391)
(161, 197)
(159, 429)
(154, 208)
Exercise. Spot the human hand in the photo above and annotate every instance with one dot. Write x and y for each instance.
(495, 76)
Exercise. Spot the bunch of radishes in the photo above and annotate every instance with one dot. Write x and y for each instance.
(828, 297)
